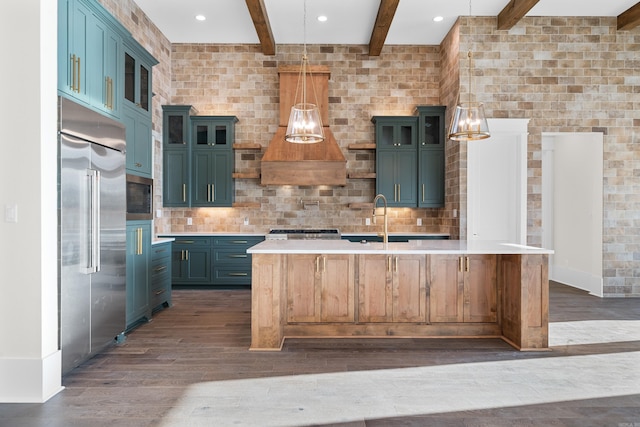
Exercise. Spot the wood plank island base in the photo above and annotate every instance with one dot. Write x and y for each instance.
(428, 289)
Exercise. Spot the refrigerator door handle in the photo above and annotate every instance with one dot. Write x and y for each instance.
(94, 232)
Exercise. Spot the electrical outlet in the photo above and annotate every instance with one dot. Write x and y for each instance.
(158, 213)
(189, 221)
(246, 220)
(11, 213)
(455, 213)
(367, 221)
(419, 221)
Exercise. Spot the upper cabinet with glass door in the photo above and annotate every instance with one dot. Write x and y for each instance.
(137, 76)
(395, 132)
(215, 132)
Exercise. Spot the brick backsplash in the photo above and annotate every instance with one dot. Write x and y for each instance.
(576, 74)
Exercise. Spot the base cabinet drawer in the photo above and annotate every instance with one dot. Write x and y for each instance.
(160, 289)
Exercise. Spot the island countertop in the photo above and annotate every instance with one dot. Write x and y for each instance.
(411, 247)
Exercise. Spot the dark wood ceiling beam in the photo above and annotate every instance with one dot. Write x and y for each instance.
(381, 28)
(630, 18)
(513, 12)
(263, 28)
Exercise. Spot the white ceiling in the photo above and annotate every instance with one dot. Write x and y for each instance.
(349, 21)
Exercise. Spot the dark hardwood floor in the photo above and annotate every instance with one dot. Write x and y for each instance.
(204, 339)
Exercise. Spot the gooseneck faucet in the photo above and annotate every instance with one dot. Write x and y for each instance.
(385, 234)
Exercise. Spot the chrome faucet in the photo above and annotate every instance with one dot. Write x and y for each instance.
(385, 234)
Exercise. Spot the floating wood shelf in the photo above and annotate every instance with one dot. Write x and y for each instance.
(247, 146)
(246, 175)
(362, 146)
(362, 175)
(246, 205)
(360, 205)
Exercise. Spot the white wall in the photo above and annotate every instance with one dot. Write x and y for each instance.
(572, 206)
(497, 183)
(29, 355)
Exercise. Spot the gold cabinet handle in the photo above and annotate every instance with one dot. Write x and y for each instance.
(324, 264)
(399, 193)
(238, 274)
(466, 264)
(395, 262)
(237, 256)
(184, 192)
(318, 264)
(160, 292)
(389, 264)
(139, 235)
(213, 193)
(160, 268)
(185, 242)
(423, 192)
(73, 73)
(138, 165)
(79, 77)
(186, 255)
(460, 262)
(239, 242)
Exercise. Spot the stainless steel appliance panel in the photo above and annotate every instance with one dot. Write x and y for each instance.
(92, 235)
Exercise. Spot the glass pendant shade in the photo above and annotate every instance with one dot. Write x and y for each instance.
(469, 123)
(305, 125)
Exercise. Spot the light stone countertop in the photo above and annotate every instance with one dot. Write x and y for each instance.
(159, 240)
(411, 247)
(209, 233)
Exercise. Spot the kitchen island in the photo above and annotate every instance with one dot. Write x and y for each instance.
(420, 288)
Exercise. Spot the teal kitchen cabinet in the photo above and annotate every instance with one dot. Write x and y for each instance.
(191, 261)
(138, 261)
(198, 158)
(137, 76)
(160, 287)
(89, 46)
(137, 107)
(231, 262)
(176, 155)
(176, 185)
(213, 131)
(139, 143)
(431, 156)
(396, 132)
(396, 159)
(212, 183)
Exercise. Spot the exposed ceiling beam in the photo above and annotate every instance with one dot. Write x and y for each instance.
(263, 28)
(383, 22)
(630, 18)
(513, 12)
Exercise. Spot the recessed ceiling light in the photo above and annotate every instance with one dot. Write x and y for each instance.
(322, 18)
(438, 19)
(201, 17)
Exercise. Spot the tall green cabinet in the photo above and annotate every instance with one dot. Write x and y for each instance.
(198, 158)
(410, 158)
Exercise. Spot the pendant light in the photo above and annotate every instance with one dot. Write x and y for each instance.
(305, 125)
(469, 122)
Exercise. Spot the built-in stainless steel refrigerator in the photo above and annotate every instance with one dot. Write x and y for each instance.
(92, 232)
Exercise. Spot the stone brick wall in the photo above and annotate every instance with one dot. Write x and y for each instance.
(239, 80)
(570, 75)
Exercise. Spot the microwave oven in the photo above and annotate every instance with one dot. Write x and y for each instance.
(139, 197)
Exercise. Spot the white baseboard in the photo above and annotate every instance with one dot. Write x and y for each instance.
(30, 380)
(577, 279)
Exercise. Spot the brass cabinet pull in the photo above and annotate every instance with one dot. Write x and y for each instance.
(186, 255)
(160, 268)
(238, 274)
(324, 264)
(185, 242)
(79, 77)
(318, 264)
(160, 292)
(139, 248)
(208, 192)
(73, 73)
(466, 264)
(184, 192)
(106, 92)
(239, 242)
(423, 192)
(396, 264)
(460, 261)
(389, 264)
(138, 165)
(399, 193)
(237, 256)
(213, 193)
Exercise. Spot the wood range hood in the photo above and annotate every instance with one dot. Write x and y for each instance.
(286, 163)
